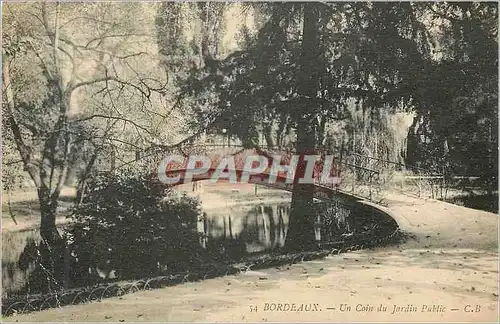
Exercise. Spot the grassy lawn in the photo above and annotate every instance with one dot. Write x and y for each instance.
(21, 209)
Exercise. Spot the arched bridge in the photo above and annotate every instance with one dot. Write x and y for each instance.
(347, 207)
(229, 163)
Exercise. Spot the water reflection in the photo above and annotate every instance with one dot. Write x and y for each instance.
(229, 235)
(19, 250)
(259, 228)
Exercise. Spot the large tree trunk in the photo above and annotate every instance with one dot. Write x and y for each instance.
(301, 235)
(51, 247)
(48, 207)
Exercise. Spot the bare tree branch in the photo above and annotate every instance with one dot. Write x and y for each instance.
(114, 36)
(109, 78)
(24, 150)
(42, 61)
(94, 20)
(126, 120)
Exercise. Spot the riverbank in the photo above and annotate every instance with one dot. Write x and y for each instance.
(24, 208)
(21, 210)
(449, 273)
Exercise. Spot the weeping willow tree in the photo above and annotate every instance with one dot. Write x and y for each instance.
(380, 135)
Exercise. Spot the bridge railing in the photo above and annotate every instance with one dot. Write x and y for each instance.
(357, 180)
(361, 175)
(405, 178)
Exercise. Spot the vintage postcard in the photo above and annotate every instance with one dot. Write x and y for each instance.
(249, 161)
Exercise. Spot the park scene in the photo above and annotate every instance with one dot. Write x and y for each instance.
(249, 162)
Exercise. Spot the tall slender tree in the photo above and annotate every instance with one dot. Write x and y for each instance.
(301, 234)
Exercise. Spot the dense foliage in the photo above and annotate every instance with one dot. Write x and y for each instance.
(134, 226)
(456, 124)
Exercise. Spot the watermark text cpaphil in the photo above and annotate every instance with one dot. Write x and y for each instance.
(306, 169)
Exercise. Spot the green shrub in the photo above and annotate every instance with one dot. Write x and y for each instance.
(132, 226)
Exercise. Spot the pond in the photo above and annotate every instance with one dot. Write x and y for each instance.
(231, 232)
(258, 227)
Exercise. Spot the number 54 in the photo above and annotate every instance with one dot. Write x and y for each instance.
(253, 308)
